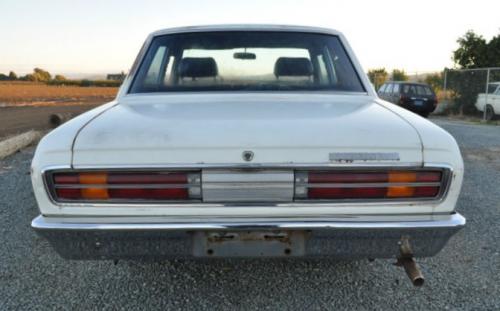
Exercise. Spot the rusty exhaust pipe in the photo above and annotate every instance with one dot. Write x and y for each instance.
(409, 264)
(412, 270)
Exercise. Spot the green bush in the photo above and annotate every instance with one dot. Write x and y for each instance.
(86, 83)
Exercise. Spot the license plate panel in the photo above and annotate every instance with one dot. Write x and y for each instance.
(418, 103)
(249, 244)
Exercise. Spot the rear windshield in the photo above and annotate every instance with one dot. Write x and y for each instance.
(415, 89)
(255, 61)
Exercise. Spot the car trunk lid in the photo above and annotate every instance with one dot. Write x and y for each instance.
(215, 128)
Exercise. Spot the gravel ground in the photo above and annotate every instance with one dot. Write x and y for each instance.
(464, 276)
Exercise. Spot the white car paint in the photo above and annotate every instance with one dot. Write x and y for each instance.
(140, 130)
(215, 128)
(492, 99)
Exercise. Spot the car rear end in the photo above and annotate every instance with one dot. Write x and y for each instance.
(419, 98)
(265, 211)
(301, 160)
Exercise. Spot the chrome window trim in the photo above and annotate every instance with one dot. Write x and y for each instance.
(125, 89)
(445, 168)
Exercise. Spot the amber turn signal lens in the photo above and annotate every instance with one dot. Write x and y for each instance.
(400, 192)
(401, 177)
(94, 179)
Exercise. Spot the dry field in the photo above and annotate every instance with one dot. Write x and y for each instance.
(35, 94)
(25, 105)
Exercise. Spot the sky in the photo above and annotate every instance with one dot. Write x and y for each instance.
(103, 36)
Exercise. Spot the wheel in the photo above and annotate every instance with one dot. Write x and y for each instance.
(489, 114)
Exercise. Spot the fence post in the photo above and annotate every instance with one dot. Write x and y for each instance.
(486, 93)
(444, 84)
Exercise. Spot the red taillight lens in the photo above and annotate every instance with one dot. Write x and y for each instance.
(113, 186)
(343, 193)
(317, 185)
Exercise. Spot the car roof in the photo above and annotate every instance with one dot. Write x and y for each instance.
(407, 82)
(245, 27)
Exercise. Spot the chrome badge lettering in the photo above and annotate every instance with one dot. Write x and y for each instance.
(363, 156)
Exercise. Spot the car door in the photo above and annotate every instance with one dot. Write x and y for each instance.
(496, 101)
(388, 92)
(395, 93)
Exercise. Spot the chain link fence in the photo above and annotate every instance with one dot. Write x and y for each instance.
(472, 92)
(378, 79)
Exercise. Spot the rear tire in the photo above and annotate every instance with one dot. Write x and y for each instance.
(489, 114)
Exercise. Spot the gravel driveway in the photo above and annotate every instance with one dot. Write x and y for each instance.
(465, 275)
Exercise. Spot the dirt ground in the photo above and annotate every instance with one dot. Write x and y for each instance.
(26, 105)
(16, 120)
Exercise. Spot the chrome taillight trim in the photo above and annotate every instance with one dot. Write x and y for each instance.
(193, 185)
(446, 169)
(369, 185)
(124, 186)
(302, 185)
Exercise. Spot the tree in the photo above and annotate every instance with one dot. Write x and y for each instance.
(377, 77)
(435, 80)
(12, 76)
(3, 77)
(60, 78)
(28, 77)
(471, 52)
(399, 75)
(41, 75)
(493, 52)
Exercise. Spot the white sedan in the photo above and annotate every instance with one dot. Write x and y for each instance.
(491, 100)
(248, 141)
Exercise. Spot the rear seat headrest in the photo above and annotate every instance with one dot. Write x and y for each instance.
(293, 66)
(198, 67)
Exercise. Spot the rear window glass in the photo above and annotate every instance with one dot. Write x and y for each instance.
(415, 89)
(246, 60)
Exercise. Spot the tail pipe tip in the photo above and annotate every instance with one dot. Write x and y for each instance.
(412, 270)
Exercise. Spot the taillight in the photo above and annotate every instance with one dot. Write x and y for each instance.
(178, 186)
(402, 99)
(331, 185)
(129, 186)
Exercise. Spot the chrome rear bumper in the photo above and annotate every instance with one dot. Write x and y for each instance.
(335, 239)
